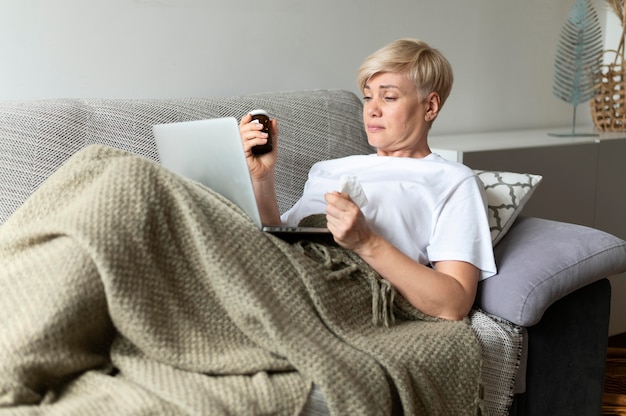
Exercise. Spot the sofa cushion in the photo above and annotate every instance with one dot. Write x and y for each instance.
(507, 193)
(540, 261)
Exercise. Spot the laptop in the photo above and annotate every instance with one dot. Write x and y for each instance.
(211, 152)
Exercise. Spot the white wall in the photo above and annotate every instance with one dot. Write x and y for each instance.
(502, 50)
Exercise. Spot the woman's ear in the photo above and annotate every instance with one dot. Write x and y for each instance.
(432, 108)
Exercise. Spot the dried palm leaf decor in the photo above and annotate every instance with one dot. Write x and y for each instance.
(608, 108)
(578, 61)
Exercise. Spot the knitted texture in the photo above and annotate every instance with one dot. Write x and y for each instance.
(128, 290)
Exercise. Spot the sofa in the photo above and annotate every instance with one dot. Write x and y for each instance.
(542, 321)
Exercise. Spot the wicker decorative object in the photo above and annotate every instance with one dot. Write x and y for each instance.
(614, 398)
(608, 108)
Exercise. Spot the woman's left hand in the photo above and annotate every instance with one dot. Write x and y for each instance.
(346, 221)
(448, 290)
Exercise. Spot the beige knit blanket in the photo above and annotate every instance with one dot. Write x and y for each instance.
(157, 296)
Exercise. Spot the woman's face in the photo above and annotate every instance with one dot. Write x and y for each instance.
(395, 116)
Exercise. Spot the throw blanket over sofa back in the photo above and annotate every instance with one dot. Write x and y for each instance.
(313, 126)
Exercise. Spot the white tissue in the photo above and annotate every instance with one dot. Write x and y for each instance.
(350, 185)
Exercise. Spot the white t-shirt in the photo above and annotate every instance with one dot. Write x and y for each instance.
(431, 209)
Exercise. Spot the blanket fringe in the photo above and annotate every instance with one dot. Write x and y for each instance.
(338, 265)
(481, 406)
(343, 263)
(383, 296)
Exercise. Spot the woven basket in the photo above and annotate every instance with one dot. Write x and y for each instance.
(608, 108)
(614, 398)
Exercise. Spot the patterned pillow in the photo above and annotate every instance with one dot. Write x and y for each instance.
(507, 193)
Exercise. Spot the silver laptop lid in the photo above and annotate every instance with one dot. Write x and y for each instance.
(209, 152)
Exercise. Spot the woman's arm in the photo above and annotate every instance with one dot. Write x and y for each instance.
(447, 291)
(262, 168)
(265, 195)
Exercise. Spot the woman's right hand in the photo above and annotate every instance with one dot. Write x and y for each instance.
(261, 166)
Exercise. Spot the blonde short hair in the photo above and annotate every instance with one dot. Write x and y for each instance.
(425, 66)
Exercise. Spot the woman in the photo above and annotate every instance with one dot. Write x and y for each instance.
(404, 85)
(120, 279)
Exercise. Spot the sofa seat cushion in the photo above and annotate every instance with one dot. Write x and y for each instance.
(540, 261)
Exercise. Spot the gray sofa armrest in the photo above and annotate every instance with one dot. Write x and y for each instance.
(541, 261)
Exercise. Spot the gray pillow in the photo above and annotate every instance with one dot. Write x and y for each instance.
(540, 261)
